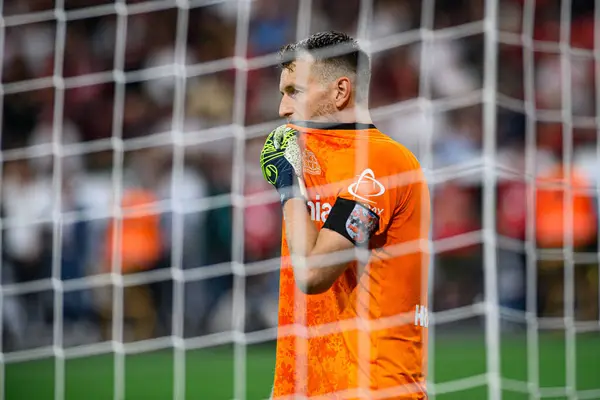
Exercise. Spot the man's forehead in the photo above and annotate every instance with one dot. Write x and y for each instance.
(299, 70)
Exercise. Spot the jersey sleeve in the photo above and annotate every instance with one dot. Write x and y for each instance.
(365, 205)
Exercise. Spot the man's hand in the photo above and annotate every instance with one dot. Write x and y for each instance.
(281, 163)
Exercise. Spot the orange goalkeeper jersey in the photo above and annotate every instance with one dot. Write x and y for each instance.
(366, 336)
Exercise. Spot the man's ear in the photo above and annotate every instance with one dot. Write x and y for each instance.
(343, 90)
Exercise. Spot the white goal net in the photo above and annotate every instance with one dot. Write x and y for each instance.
(140, 244)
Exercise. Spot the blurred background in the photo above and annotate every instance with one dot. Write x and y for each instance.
(66, 152)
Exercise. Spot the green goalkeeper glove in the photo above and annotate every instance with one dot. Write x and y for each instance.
(281, 163)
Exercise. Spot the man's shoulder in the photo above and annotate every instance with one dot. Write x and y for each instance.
(386, 143)
(392, 164)
(389, 155)
(346, 153)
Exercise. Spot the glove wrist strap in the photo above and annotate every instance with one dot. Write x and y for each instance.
(290, 192)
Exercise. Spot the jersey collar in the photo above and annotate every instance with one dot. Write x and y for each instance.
(352, 126)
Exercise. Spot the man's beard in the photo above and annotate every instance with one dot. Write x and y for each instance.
(325, 112)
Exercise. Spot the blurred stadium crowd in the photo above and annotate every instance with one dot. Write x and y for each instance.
(95, 111)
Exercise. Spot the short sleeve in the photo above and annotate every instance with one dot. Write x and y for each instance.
(374, 191)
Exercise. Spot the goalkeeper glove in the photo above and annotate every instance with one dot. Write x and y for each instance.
(281, 163)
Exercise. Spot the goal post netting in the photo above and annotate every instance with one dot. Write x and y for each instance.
(140, 244)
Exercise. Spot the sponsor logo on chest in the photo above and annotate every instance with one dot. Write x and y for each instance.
(366, 187)
(376, 210)
(319, 211)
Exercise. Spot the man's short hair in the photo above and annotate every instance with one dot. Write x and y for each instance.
(336, 50)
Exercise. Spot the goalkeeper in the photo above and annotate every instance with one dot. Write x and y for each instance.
(344, 184)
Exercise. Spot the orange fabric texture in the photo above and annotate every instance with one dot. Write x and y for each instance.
(140, 235)
(362, 332)
(551, 210)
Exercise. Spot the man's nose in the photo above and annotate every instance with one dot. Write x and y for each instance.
(286, 108)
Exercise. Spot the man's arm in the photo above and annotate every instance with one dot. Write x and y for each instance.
(349, 223)
(281, 163)
(307, 243)
(313, 252)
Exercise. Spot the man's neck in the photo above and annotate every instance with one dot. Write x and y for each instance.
(351, 115)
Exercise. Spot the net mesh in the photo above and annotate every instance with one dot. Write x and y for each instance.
(117, 110)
